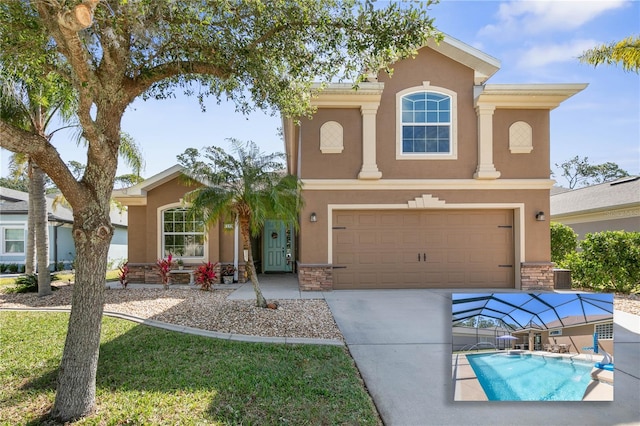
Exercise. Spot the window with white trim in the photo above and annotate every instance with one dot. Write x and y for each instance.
(605, 331)
(426, 121)
(182, 235)
(13, 240)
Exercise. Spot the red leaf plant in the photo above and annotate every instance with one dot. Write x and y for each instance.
(165, 267)
(206, 275)
(124, 274)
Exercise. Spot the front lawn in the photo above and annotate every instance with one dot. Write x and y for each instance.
(153, 376)
(64, 276)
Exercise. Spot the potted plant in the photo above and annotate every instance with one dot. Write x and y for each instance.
(227, 272)
(180, 263)
(206, 275)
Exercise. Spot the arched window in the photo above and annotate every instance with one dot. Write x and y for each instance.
(181, 235)
(426, 124)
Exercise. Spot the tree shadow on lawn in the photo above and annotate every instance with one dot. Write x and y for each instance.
(144, 372)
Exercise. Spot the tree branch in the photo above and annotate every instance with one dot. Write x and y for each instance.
(40, 150)
(137, 86)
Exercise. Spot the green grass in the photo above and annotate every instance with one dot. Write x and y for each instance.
(153, 376)
(64, 276)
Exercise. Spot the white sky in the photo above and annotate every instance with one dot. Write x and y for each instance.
(537, 41)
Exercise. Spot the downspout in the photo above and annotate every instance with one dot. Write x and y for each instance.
(235, 249)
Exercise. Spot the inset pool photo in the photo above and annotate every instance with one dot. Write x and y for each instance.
(532, 346)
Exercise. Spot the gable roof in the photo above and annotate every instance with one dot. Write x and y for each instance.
(483, 65)
(137, 194)
(619, 194)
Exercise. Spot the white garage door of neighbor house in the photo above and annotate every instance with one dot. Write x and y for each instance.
(423, 249)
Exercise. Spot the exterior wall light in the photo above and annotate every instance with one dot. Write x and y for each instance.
(540, 217)
(313, 217)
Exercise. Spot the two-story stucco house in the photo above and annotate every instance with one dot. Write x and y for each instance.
(428, 178)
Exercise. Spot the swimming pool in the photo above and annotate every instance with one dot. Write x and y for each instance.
(526, 377)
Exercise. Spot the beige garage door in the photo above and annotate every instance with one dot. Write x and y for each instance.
(423, 249)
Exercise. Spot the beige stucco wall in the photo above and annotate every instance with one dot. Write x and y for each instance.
(534, 165)
(578, 337)
(137, 231)
(344, 165)
(439, 71)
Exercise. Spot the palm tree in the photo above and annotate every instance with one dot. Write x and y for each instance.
(249, 187)
(625, 52)
(30, 105)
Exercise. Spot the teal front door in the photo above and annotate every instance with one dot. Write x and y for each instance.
(277, 244)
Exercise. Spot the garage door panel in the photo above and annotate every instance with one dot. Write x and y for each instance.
(368, 219)
(387, 249)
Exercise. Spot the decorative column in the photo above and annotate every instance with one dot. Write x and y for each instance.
(369, 167)
(486, 169)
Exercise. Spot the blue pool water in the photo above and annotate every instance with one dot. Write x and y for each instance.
(527, 377)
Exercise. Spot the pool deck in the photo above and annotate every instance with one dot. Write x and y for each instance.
(468, 388)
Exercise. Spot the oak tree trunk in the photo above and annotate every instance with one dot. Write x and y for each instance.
(39, 214)
(76, 390)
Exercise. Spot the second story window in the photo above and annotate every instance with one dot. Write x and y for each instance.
(426, 126)
(426, 123)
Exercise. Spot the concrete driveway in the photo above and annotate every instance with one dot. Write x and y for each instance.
(401, 343)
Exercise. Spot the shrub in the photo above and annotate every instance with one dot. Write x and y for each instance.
(609, 261)
(164, 266)
(123, 275)
(206, 275)
(563, 241)
(29, 284)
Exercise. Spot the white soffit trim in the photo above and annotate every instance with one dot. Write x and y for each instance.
(344, 95)
(432, 184)
(540, 96)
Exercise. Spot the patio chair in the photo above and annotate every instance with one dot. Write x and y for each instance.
(547, 347)
(555, 349)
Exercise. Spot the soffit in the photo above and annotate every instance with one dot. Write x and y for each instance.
(530, 96)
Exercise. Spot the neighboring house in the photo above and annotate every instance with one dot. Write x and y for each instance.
(610, 206)
(14, 211)
(432, 178)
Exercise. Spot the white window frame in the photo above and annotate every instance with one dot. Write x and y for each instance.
(3, 230)
(161, 210)
(607, 333)
(453, 131)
